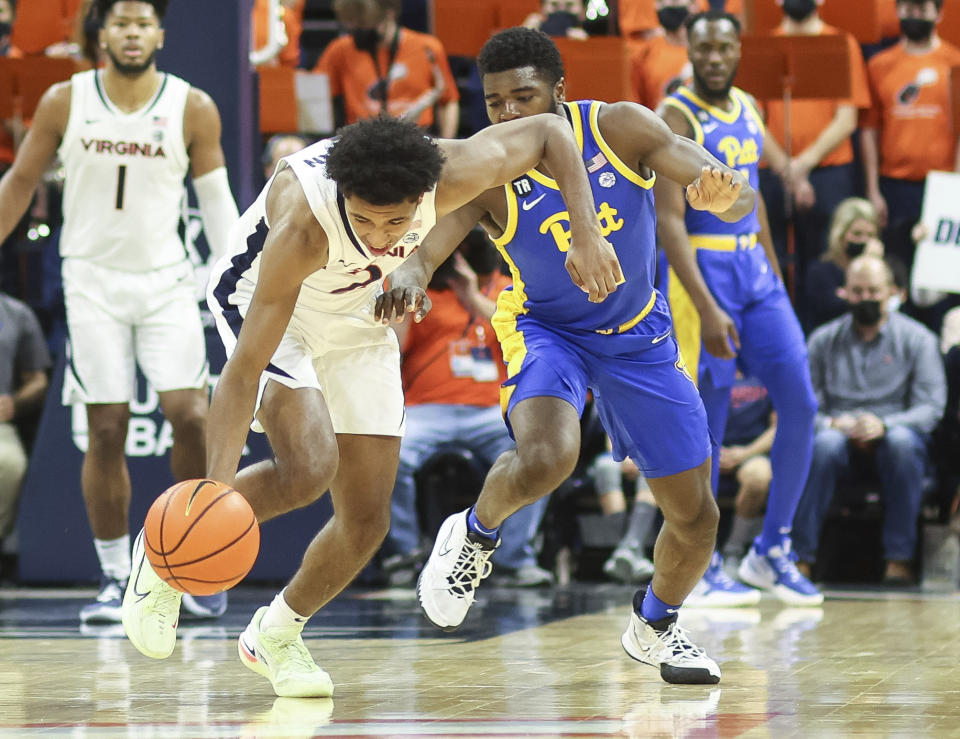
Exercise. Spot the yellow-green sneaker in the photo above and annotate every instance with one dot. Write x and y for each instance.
(280, 655)
(151, 608)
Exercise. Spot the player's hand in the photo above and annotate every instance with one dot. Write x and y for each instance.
(594, 267)
(714, 190)
(395, 303)
(719, 333)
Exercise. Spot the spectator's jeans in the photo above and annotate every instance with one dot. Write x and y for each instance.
(13, 466)
(900, 458)
(482, 431)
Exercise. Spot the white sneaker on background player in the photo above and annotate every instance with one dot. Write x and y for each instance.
(151, 608)
(280, 655)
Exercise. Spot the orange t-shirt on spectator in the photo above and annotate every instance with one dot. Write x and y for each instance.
(289, 55)
(911, 109)
(809, 117)
(439, 354)
(353, 75)
(657, 70)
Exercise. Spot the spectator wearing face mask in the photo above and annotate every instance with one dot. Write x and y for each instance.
(881, 389)
(378, 68)
(854, 228)
(562, 18)
(907, 131)
(661, 65)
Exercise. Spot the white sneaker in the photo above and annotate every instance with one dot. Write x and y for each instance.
(777, 572)
(449, 579)
(151, 608)
(628, 566)
(280, 655)
(670, 649)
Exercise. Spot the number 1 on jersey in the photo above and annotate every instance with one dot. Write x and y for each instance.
(121, 176)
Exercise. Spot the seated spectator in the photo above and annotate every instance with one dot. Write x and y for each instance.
(661, 65)
(24, 362)
(881, 390)
(279, 146)
(854, 227)
(745, 464)
(452, 369)
(948, 433)
(379, 67)
(628, 563)
(562, 18)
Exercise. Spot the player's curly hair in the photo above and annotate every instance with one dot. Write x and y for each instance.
(521, 47)
(103, 8)
(384, 161)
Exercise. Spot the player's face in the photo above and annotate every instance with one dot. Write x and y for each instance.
(380, 227)
(518, 93)
(714, 51)
(130, 36)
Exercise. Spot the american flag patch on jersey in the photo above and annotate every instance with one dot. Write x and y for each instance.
(596, 163)
(160, 121)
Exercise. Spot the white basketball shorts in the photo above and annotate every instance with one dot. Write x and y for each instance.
(350, 358)
(119, 319)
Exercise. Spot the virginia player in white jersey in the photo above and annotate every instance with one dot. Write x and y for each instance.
(310, 362)
(128, 135)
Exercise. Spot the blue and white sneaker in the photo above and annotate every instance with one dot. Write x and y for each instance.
(195, 607)
(717, 589)
(777, 572)
(106, 608)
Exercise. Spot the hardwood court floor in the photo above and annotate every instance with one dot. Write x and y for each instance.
(526, 663)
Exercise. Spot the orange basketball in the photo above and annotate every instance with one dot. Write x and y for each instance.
(201, 537)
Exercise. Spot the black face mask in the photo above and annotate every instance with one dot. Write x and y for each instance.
(855, 248)
(672, 18)
(866, 312)
(366, 39)
(5, 29)
(799, 9)
(557, 24)
(916, 29)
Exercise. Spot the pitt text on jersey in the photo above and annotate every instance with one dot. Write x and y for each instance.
(607, 216)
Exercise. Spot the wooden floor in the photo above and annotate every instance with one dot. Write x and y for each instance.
(526, 663)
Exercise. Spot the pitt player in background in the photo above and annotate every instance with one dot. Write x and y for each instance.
(558, 344)
(127, 135)
(737, 301)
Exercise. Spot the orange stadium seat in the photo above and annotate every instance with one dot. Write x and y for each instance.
(8, 87)
(861, 18)
(582, 59)
(514, 12)
(23, 82)
(278, 99)
(463, 26)
(40, 23)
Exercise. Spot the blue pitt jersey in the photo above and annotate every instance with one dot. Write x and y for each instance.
(537, 237)
(736, 139)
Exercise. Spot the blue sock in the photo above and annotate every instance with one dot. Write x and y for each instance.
(474, 525)
(654, 609)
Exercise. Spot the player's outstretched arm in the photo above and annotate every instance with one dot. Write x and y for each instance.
(499, 154)
(202, 129)
(408, 283)
(34, 156)
(295, 246)
(640, 137)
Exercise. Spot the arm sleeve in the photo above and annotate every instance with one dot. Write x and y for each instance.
(217, 208)
(928, 389)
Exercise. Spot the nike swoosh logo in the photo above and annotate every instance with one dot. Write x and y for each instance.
(528, 204)
(251, 651)
(658, 339)
(90, 121)
(445, 548)
(136, 591)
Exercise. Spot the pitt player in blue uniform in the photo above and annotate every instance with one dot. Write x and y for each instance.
(558, 344)
(736, 288)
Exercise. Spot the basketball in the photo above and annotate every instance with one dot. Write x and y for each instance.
(201, 537)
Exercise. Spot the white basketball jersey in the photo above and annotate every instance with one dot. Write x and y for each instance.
(352, 278)
(124, 177)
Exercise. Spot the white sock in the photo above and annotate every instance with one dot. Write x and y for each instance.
(279, 614)
(114, 556)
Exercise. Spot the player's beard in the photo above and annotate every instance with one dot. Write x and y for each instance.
(131, 70)
(712, 93)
